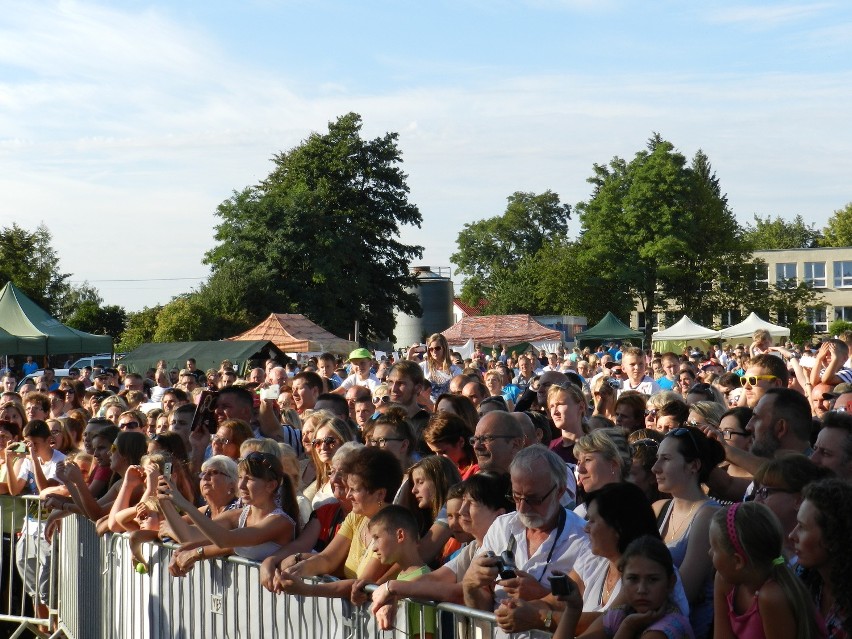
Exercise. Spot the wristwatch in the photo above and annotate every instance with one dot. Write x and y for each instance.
(200, 552)
(548, 620)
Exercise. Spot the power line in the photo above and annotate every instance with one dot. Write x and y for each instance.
(147, 279)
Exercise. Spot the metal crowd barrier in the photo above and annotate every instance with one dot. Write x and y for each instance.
(94, 592)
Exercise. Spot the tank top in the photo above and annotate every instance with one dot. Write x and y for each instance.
(267, 548)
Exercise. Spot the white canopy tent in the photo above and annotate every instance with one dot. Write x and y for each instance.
(683, 333)
(749, 325)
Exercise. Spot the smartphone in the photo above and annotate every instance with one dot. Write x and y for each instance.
(271, 393)
(205, 416)
(560, 584)
(167, 470)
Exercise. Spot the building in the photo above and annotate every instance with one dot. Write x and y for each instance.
(827, 270)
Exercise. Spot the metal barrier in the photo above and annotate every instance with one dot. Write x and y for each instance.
(94, 592)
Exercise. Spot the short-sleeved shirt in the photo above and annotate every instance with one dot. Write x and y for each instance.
(33, 526)
(360, 553)
(354, 380)
(673, 625)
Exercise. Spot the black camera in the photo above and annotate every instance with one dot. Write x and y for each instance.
(560, 584)
(506, 565)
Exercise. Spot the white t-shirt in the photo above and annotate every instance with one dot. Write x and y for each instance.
(31, 525)
(647, 386)
(354, 380)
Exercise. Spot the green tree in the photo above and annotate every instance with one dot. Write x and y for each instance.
(838, 231)
(139, 328)
(768, 233)
(91, 317)
(28, 260)
(496, 254)
(74, 297)
(320, 235)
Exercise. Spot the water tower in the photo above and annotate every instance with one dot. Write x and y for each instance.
(435, 290)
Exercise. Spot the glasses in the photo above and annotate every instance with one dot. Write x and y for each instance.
(680, 432)
(331, 442)
(767, 491)
(210, 474)
(487, 439)
(752, 380)
(384, 399)
(55, 432)
(729, 434)
(651, 412)
(264, 459)
(224, 441)
(127, 425)
(531, 501)
(696, 424)
(435, 348)
(646, 443)
(381, 441)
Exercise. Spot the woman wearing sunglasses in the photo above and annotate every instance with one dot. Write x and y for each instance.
(684, 460)
(257, 530)
(329, 433)
(436, 365)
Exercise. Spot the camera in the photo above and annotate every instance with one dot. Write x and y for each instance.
(506, 565)
(560, 584)
(613, 383)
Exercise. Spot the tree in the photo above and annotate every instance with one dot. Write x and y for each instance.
(91, 317)
(28, 260)
(654, 230)
(838, 231)
(74, 297)
(320, 235)
(778, 233)
(492, 252)
(139, 329)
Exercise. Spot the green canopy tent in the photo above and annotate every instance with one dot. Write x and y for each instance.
(29, 329)
(206, 354)
(609, 328)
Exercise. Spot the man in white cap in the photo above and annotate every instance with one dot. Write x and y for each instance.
(361, 360)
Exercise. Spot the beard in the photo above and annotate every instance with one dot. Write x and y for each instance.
(537, 521)
(765, 446)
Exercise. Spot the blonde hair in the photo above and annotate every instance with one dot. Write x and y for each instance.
(610, 443)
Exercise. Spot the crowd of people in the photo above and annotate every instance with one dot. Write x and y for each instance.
(596, 493)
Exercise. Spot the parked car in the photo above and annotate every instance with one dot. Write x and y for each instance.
(101, 360)
(59, 372)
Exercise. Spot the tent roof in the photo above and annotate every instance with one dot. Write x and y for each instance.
(37, 333)
(750, 324)
(610, 327)
(294, 333)
(684, 330)
(206, 354)
(494, 329)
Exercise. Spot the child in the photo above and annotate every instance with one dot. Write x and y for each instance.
(394, 534)
(756, 593)
(459, 537)
(647, 578)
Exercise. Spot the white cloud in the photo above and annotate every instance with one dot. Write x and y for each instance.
(768, 16)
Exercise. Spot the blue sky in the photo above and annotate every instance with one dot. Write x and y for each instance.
(124, 125)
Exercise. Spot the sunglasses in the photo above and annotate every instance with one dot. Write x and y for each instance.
(264, 459)
(127, 425)
(220, 440)
(211, 473)
(646, 443)
(331, 442)
(381, 441)
(531, 501)
(651, 412)
(384, 399)
(685, 432)
(752, 380)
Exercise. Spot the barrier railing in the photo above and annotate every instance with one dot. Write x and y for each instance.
(95, 593)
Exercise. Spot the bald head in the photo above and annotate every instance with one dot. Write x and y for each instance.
(527, 428)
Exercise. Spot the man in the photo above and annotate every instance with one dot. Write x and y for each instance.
(134, 382)
(833, 447)
(187, 382)
(405, 380)
(633, 365)
(180, 422)
(552, 363)
(173, 398)
(542, 535)
(356, 395)
(496, 441)
(307, 387)
(364, 410)
(228, 377)
(326, 365)
(257, 376)
(86, 376)
(277, 376)
(764, 372)
(525, 373)
(457, 383)
(475, 391)
(670, 363)
(9, 383)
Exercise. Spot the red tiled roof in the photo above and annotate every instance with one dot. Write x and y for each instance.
(467, 309)
(296, 333)
(494, 329)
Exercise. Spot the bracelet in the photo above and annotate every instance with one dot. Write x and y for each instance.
(387, 585)
(298, 557)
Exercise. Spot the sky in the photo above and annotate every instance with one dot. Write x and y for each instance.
(123, 125)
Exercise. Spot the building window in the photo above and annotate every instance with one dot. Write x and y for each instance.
(785, 275)
(786, 316)
(816, 317)
(842, 274)
(843, 313)
(815, 274)
(731, 317)
(761, 276)
(655, 319)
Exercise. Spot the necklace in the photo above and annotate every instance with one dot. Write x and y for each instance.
(606, 587)
(673, 533)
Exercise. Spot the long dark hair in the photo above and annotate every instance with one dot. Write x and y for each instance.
(265, 466)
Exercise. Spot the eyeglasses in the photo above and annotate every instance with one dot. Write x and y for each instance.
(531, 501)
(696, 424)
(729, 434)
(210, 474)
(679, 432)
(752, 380)
(487, 439)
(127, 425)
(381, 441)
(331, 442)
(767, 491)
(224, 441)
(435, 348)
(55, 432)
(646, 443)
(651, 412)
(384, 399)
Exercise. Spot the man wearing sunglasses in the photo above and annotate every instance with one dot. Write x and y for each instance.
(764, 372)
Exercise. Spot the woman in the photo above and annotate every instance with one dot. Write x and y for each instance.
(778, 486)
(705, 414)
(567, 407)
(630, 410)
(229, 436)
(458, 405)
(644, 444)
(60, 440)
(392, 432)
(685, 381)
(308, 464)
(373, 476)
(331, 432)
(494, 384)
(617, 515)
(485, 497)
(436, 365)
(74, 393)
(821, 541)
(603, 457)
(603, 396)
(654, 403)
(448, 435)
(257, 530)
(111, 408)
(57, 403)
(14, 413)
(684, 461)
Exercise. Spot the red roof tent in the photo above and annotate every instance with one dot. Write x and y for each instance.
(500, 329)
(294, 333)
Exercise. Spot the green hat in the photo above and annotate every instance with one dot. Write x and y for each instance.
(360, 353)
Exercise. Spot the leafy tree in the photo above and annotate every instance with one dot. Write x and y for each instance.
(838, 231)
(320, 235)
(28, 260)
(497, 254)
(100, 320)
(74, 297)
(778, 233)
(839, 326)
(180, 320)
(654, 229)
(139, 329)
(801, 333)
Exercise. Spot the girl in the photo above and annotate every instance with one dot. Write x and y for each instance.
(436, 366)
(647, 580)
(448, 435)
(430, 480)
(756, 593)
